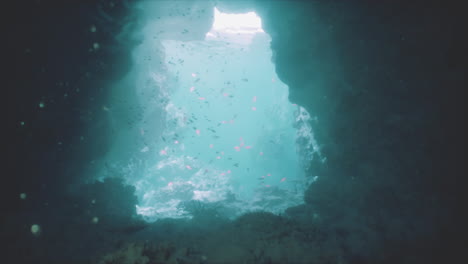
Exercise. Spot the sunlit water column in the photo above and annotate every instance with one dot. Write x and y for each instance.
(230, 134)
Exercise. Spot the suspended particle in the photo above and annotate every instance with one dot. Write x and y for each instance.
(36, 230)
(92, 28)
(23, 196)
(96, 45)
(22, 123)
(41, 104)
(95, 220)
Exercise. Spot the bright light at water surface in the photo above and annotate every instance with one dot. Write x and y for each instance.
(237, 23)
(235, 27)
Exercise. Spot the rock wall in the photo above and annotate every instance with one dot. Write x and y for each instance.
(385, 82)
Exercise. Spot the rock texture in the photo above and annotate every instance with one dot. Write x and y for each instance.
(385, 81)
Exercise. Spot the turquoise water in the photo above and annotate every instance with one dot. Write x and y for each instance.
(227, 134)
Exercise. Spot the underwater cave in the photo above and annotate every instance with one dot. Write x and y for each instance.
(229, 131)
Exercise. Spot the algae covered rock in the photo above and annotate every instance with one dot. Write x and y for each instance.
(153, 253)
(130, 254)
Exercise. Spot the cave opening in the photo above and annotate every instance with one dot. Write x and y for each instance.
(214, 125)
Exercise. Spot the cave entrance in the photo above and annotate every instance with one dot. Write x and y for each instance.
(230, 135)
